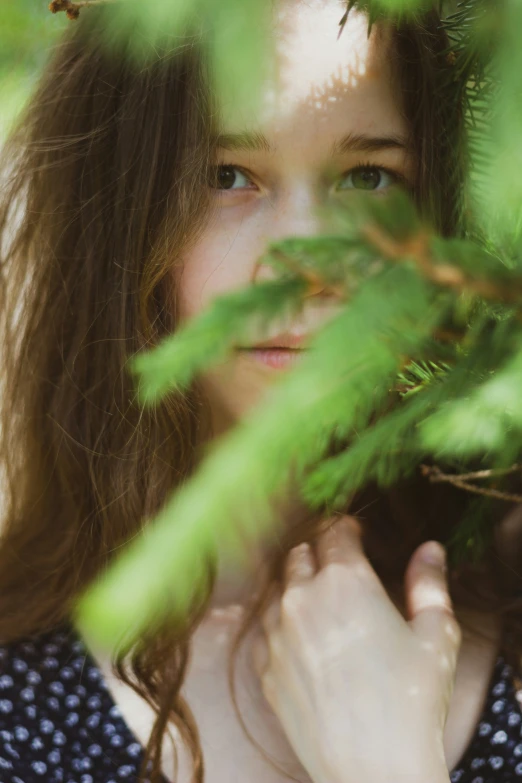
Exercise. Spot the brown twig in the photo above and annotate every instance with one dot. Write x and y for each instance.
(72, 10)
(417, 248)
(482, 474)
(435, 475)
(315, 284)
(451, 336)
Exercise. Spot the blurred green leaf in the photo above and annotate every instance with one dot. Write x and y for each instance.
(28, 30)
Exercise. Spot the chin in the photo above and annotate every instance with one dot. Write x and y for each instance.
(235, 389)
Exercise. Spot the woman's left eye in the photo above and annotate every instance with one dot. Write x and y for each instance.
(369, 178)
(228, 178)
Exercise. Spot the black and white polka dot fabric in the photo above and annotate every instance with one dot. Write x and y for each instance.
(495, 752)
(59, 723)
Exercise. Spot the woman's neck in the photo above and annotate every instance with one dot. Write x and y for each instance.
(237, 580)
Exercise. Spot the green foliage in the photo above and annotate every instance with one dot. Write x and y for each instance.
(396, 9)
(382, 381)
(210, 339)
(395, 309)
(235, 31)
(418, 375)
(470, 539)
(488, 420)
(328, 392)
(27, 31)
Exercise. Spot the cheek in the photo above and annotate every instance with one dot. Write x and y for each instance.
(194, 280)
(223, 260)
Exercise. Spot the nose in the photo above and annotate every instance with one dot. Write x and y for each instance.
(295, 216)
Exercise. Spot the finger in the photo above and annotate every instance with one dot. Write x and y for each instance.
(300, 565)
(270, 690)
(340, 543)
(271, 616)
(428, 602)
(260, 655)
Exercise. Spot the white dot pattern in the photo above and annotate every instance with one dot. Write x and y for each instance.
(58, 721)
(494, 755)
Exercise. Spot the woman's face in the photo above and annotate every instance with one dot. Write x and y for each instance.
(331, 108)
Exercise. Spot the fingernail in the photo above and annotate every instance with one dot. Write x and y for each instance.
(434, 554)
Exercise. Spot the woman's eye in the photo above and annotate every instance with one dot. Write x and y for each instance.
(228, 178)
(368, 178)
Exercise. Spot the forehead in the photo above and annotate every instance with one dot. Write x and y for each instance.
(320, 80)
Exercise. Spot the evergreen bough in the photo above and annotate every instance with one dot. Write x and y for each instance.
(422, 365)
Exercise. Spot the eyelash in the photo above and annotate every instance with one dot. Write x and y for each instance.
(399, 178)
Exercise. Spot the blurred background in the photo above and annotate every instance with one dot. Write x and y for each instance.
(27, 32)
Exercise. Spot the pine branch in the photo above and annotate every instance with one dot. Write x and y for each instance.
(435, 475)
(210, 338)
(421, 374)
(475, 475)
(390, 447)
(446, 275)
(72, 9)
(329, 393)
(315, 284)
(438, 317)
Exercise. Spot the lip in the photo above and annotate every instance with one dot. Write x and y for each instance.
(276, 358)
(285, 340)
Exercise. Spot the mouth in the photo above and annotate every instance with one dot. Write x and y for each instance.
(278, 352)
(277, 358)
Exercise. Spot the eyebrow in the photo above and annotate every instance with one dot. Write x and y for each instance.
(352, 142)
(254, 142)
(360, 142)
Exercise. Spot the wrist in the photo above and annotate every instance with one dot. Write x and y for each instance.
(388, 776)
(393, 773)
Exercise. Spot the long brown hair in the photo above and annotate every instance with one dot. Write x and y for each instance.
(104, 186)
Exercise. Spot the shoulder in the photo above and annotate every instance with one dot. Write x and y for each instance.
(57, 719)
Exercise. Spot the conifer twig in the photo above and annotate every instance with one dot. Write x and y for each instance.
(315, 283)
(489, 473)
(443, 274)
(72, 9)
(461, 481)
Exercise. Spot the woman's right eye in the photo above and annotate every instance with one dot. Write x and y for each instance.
(227, 177)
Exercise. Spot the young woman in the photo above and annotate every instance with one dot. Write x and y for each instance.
(127, 209)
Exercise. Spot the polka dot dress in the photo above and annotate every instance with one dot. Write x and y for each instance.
(495, 752)
(59, 723)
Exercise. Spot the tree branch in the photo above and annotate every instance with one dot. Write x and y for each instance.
(71, 9)
(417, 248)
(435, 475)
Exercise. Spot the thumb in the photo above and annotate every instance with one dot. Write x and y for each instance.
(260, 654)
(429, 604)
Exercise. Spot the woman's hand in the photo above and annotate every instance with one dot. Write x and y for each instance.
(362, 694)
